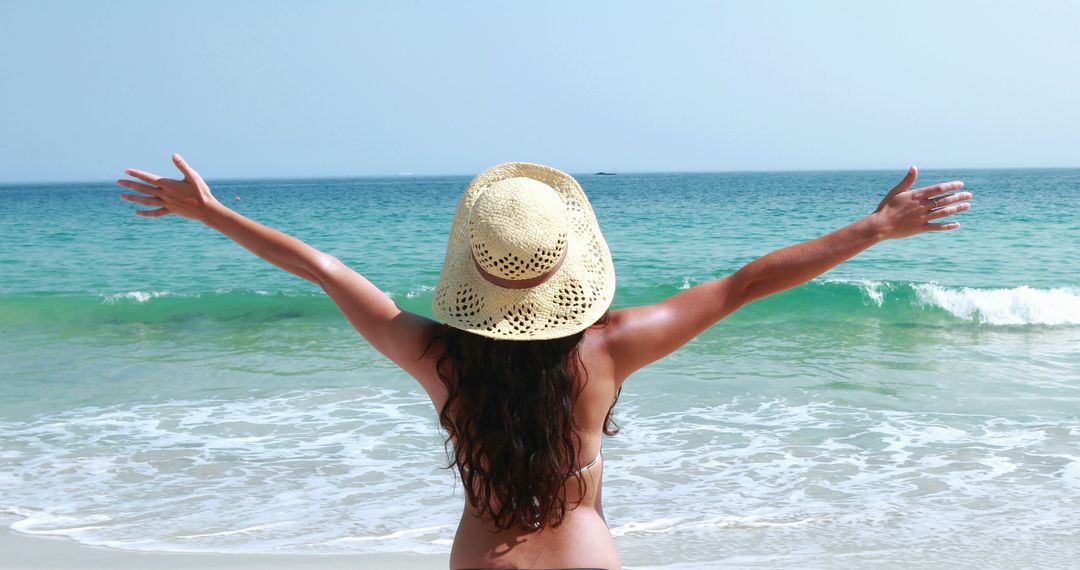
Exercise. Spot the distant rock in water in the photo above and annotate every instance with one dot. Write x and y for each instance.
(604, 174)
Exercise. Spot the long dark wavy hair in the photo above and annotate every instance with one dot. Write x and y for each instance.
(509, 419)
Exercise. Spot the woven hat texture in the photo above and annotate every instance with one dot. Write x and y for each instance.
(526, 259)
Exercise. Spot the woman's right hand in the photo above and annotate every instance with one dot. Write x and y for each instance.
(905, 212)
(187, 198)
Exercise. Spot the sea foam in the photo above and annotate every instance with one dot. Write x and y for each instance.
(358, 471)
(1016, 306)
(135, 296)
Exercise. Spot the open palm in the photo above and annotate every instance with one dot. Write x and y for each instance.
(188, 198)
(906, 212)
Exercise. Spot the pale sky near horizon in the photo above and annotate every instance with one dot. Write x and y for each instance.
(317, 88)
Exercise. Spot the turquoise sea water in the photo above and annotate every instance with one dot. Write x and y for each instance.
(163, 389)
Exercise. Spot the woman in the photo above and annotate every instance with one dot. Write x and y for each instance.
(527, 363)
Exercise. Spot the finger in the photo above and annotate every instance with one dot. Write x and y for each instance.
(942, 227)
(144, 176)
(153, 213)
(144, 200)
(909, 179)
(132, 185)
(948, 211)
(936, 189)
(189, 173)
(947, 200)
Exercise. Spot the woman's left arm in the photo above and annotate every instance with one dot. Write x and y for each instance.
(398, 334)
(902, 213)
(637, 336)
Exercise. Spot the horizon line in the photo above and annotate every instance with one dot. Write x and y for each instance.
(405, 175)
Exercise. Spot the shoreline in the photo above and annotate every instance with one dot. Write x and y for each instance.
(29, 552)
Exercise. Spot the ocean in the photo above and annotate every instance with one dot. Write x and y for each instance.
(161, 389)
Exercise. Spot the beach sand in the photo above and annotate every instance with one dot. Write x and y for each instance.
(23, 552)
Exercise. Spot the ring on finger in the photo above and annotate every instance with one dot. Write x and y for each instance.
(934, 202)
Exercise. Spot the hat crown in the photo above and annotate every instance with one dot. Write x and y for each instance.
(518, 228)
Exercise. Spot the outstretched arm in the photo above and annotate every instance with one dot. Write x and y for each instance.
(639, 335)
(398, 334)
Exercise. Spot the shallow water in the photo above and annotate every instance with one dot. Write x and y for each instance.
(162, 389)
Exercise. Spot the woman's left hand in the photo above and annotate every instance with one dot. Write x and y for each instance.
(187, 198)
(906, 212)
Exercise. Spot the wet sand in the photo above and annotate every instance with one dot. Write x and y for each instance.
(25, 552)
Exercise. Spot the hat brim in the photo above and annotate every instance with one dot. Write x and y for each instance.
(571, 300)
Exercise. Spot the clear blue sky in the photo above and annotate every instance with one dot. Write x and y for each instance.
(276, 89)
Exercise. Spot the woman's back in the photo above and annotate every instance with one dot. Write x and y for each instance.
(581, 538)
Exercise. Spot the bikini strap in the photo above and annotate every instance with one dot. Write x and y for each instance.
(593, 462)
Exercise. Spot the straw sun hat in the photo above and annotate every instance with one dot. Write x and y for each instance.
(526, 260)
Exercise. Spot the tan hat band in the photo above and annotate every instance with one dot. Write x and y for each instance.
(521, 283)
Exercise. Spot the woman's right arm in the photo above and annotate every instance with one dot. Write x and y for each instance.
(637, 336)
(399, 335)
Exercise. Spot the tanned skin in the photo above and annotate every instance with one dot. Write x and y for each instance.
(633, 337)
